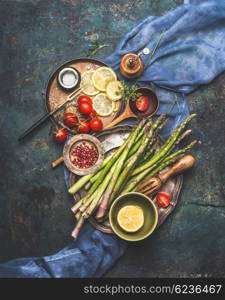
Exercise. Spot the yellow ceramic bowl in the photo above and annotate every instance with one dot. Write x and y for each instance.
(150, 216)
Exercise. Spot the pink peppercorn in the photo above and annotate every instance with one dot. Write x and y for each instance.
(84, 155)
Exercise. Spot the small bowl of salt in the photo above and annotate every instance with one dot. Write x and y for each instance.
(68, 78)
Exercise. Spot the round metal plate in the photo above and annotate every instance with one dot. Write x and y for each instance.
(56, 95)
(111, 139)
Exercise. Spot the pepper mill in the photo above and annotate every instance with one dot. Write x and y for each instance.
(131, 66)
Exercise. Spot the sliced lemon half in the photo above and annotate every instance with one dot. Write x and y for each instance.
(87, 85)
(131, 218)
(102, 76)
(114, 90)
(103, 105)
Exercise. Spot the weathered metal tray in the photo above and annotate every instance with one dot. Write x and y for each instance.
(111, 139)
(56, 96)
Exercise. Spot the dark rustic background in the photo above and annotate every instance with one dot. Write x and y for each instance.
(35, 219)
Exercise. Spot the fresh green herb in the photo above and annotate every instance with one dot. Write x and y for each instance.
(128, 92)
(175, 102)
(94, 47)
(154, 50)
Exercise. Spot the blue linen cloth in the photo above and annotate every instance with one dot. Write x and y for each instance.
(191, 53)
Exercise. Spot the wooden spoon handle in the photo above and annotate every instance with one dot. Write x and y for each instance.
(185, 163)
(57, 162)
(118, 120)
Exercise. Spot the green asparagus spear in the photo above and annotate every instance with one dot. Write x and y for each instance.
(78, 185)
(121, 181)
(92, 177)
(165, 148)
(107, 179)
(135, 180)
(115, 157)
(180, 138)
(116, 154)
(151, 147)
(76, 230)
(99, 192)
(88, 201)
(119, 166)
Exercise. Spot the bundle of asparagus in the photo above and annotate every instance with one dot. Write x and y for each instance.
(138, 158)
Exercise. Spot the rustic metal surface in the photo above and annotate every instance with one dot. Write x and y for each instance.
(111, 140)
(56, 96)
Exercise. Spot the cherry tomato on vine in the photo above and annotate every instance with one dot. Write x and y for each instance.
(93, 114)
(83, 126)
(84, 98)
(60, 135)
(70, 119)
(163, 199)
(96, 124)
(85, 108)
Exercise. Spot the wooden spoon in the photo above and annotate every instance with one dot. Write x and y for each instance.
(132, 112)
(152, 184)
(128, 113)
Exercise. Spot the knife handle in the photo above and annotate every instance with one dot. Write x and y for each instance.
(34, 126)
(47, 115)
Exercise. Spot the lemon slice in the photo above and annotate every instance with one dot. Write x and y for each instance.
(102, 76)
(116, 108)
(114, 90)
(87, 85)
(131, 218)
(103, 105)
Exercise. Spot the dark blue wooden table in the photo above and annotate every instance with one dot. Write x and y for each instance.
(35, 219)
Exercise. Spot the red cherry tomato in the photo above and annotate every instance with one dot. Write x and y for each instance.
(87, 117)
(93, 114)
(163, 199)
(70, 119)
(96, 124)
(85, 108)
(60, 135)
(83, 127)
(142, 103)
(84, 98)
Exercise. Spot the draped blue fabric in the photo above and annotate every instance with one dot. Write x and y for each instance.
(191, 53)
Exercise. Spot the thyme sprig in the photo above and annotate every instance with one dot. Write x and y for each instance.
(128, 92)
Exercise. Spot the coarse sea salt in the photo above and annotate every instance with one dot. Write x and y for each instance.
(69, 79)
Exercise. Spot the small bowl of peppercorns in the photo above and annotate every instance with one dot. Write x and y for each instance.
(83, 154)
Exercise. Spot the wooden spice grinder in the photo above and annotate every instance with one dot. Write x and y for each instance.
(131, 66)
